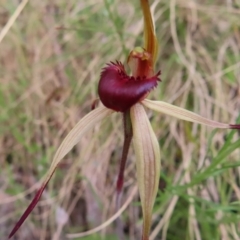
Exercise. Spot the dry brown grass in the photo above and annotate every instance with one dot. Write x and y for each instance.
(49, 78)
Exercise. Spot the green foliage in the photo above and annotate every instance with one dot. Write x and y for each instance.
(65, 44)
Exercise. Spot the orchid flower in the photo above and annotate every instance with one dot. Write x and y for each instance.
(126, 95)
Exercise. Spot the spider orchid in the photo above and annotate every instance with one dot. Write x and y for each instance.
(119, 92)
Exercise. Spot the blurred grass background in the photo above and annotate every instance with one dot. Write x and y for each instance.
(50, 63)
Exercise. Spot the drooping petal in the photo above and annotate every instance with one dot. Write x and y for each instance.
(150, 40)
(118, 91)
(184, 114)
(74, 136)
(148, 163)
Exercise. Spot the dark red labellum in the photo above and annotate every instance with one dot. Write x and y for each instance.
(118, 91)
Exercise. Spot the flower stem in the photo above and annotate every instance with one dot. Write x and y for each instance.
(127, 141)
(128, 134)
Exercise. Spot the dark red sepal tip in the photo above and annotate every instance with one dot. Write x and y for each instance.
(118, 91)
(235, 126)
(28, 210)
